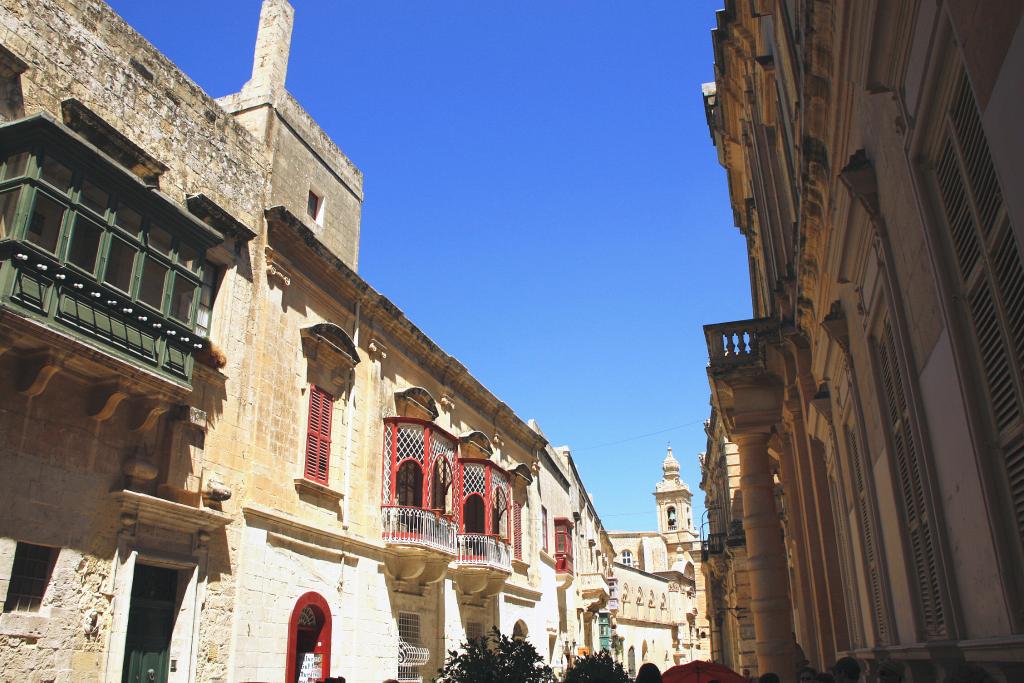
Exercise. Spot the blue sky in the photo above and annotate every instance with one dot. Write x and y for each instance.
(542, 198)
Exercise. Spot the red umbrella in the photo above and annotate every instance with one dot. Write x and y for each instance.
(701, 672)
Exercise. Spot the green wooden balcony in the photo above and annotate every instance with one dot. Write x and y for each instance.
(88, 248)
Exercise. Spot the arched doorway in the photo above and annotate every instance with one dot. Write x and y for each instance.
(309, 640)
(631, 660)
(519, 631)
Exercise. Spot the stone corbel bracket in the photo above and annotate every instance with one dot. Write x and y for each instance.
(147, 413)
(275, 271)
(38, 370)
(105, 399)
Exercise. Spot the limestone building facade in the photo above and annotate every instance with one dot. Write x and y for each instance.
(661, 618)
(228, 458)
(874, 405)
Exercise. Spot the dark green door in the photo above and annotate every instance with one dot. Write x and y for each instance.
(150, 621)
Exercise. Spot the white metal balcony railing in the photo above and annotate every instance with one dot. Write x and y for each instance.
(484, 551)
(413, 526)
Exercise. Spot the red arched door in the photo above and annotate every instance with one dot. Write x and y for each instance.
(309, 640)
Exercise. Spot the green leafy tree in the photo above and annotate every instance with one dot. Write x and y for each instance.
(596, 668)
(495, 658)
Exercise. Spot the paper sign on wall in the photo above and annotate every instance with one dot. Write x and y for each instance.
(311, 667)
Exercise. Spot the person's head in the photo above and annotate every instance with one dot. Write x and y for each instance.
(824, 677)
(888, 673)
(806, 675)
(846, 670)
(648, 673)
(769, 678)
(391, 680)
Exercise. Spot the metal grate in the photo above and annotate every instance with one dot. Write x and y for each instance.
(410, 443)
(474, 630)
(410, 655)
(473, 481)
(29, 577)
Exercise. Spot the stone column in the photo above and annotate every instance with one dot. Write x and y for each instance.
(766, 558)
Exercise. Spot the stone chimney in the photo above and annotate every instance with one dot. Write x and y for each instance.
(273, 41)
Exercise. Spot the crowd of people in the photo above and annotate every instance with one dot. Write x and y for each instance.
(845, 670)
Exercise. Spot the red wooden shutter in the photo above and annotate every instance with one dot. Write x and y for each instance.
(318, 435)
(517, 529)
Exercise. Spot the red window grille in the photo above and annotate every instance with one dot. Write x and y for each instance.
(517, 529)
(318, 435)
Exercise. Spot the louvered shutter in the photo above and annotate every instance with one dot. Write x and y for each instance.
(868, 532)
(318, 435)
(908, 467)
(991, 273)
(517, 529)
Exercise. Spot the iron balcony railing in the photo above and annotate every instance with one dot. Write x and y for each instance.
(714, 544)
(740, 343)
(484, 551)
(413, 526)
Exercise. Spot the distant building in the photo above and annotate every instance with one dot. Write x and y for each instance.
(658, 574)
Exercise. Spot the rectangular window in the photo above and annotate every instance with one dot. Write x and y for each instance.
(908, 468)
(318, 435)
(207, 295)
(409, 634)
(474, 630)
(315, 207)
(991, 276)
(544, 528)
(44, 226)
(85, 244)
(29, 577)
(8, 207)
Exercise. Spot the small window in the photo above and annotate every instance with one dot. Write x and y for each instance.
(409, 487)
(8, 206)
(409, 634)
(44, 228)
(129, 220)
(95, 197)
(29, 577)
(120, 263)
(159, 240)
(315, 207)
(56, 173)
(17, 165)
(85, 244)
(544, 528)
(154, 277)
(627, 558)
(671, 518)
(473, 514)
(474, 630)
(318, 435)
(207, 295)
(182, 298)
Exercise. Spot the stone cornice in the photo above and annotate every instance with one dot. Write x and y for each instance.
(381, 317)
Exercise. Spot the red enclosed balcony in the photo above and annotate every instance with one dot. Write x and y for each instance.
(563, 548)
(484, 561)
(418, 514)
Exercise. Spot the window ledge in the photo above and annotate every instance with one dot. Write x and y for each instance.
(546, 559)
(25, 624)
(308, 486)
(520, 566)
